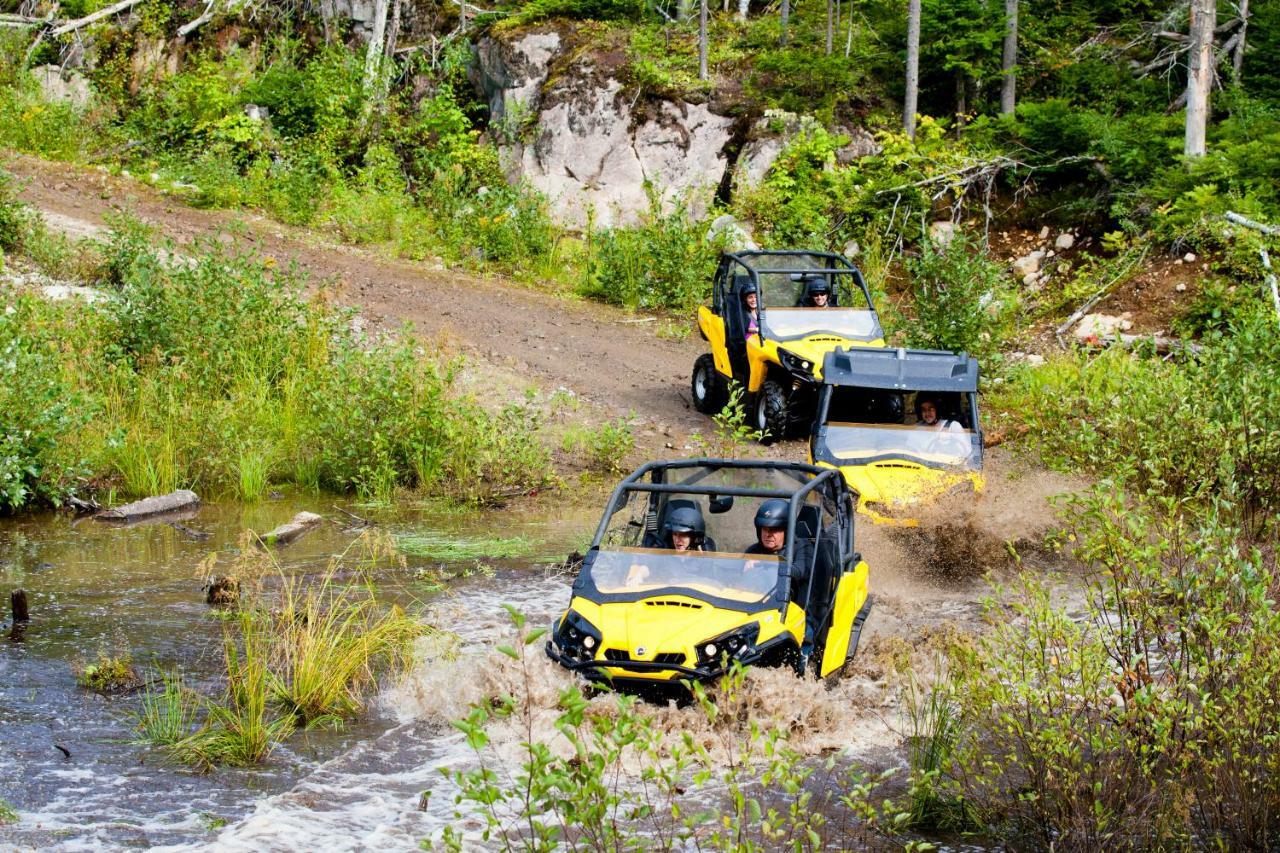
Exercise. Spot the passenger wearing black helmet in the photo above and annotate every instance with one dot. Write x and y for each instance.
(771, 528)
(685, 529)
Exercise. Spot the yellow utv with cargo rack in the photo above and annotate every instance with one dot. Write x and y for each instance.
(676, 585)
(773, 317)
(902, 426)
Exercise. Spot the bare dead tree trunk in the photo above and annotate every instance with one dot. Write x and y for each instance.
(1199, 74)
(831, 24)
(702, 40)
(1237, 58)
(393, 29)
(327, 14)
(682, 10)
(848, 38)
(913, 68)
(744, 6)
(1009, 59)
(786, 16)
(373, 55)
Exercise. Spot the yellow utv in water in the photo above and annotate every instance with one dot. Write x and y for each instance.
(902, 426)
(701, 562)
(773, 317)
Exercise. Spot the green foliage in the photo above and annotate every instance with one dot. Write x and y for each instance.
(534, 11)
(963, 299)
(437, 546)
(1144, 724)
(664, 262)
(167, 715)
(18, 221)
(604, 448)
(307, 653)
(1135, 418)
(216, 370)
(108, 673)
(40, 408)
(8, 814)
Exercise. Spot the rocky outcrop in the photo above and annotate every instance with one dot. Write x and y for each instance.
(588, 145)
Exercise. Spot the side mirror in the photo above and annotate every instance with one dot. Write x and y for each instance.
(720, 504)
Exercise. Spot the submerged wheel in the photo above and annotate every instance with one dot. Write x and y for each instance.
(708, 386)
(771, 415)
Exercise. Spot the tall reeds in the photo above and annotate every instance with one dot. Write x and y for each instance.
(300, 651)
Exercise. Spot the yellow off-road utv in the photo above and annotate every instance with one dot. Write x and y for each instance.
(902, 425)
(773, 317)
(646, 615)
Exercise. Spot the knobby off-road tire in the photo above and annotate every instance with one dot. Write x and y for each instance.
(708, 387)
(771, 414)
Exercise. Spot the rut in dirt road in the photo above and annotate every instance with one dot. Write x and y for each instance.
(589, 348)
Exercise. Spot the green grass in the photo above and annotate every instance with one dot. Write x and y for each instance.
(167, 715)
(8, 814)
(220, 375)
(438, 546)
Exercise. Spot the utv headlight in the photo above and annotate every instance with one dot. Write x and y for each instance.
(735, 644)
(577, 638)
(795, 363)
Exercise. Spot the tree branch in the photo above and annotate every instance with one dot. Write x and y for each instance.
(113, 9)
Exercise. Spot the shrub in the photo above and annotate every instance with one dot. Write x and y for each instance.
(1134, 418)
(1144, 724)
(963, 299)
(664, 262)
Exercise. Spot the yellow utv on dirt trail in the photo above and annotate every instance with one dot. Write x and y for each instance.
(701, 562)
(902, 426)
(774, 316)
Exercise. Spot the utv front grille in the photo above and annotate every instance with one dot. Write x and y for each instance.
(617, 654)
(688, 604)
(676, 658)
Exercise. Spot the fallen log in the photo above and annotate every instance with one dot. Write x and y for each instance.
(291, 530)
(94, 18)
(182, 499)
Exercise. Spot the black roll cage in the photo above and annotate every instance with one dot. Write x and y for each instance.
(821, 477)
(839, 266)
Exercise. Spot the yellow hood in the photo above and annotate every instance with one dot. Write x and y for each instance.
(814, 349)
(898, 484)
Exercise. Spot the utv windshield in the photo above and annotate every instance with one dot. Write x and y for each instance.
(735, 577)
(782, 324)
(951, 445)
(866, 425)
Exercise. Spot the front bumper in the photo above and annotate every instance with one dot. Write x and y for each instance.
(594, 669)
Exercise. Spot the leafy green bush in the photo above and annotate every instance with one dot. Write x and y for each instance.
(1146, 724)
(664, 262)
(1134, 418)
(40, 409)
(963, 299)
(216, 370)
(533, 11)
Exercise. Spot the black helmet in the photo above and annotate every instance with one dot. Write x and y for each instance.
(816, 286)
(685, 519)
(772, 513)
(748, 287)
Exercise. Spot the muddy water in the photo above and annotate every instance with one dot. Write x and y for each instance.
(95, 586)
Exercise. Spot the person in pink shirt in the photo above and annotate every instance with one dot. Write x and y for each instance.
(751, 301)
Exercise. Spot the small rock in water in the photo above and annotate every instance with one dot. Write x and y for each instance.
(222, 590)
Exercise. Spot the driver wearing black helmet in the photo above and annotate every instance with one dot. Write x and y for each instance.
(685, 529)
(817, 293)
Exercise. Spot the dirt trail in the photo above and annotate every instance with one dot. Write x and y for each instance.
(588, 348)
